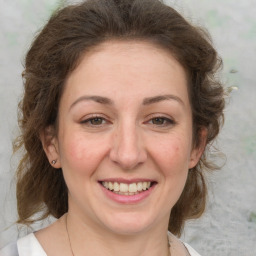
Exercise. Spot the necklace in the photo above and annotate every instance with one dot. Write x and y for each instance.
(70, 246)
(66, 222)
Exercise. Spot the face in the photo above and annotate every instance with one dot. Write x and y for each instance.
(124, 140)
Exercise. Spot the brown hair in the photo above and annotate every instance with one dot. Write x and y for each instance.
(56, 51)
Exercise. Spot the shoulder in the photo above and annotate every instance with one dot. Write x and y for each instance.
(25, 246)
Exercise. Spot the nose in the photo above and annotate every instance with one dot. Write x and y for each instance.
(127, 149)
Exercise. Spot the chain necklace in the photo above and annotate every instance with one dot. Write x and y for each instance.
(66, 220)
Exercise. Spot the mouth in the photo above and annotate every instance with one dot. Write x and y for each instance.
(128, 189)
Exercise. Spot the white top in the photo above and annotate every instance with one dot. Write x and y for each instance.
(30, 246)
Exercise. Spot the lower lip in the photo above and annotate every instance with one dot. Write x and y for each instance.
(126, 199)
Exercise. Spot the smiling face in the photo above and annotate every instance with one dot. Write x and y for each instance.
(124, 140)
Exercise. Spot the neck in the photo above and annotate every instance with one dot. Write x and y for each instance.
(87, 238)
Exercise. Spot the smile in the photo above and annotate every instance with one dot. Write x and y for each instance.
(127, 189)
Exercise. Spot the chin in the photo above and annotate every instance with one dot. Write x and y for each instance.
(128, 223)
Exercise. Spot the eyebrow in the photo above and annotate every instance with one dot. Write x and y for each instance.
(146, 101)
(159, 98)
(98, 99)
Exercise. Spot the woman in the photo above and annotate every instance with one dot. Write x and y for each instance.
(120, 103)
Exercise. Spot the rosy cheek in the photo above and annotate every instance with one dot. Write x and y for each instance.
(82, 154)
(78, 150)
(173, 157)
(75, 153)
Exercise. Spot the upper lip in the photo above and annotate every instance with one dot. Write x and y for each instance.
(126, 181)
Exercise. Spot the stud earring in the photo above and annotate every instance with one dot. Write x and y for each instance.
(54, 162)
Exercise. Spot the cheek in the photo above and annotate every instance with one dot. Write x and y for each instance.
(80, 154)
(172, 158)
(173, 153)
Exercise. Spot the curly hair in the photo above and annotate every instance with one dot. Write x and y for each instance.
(56, 52)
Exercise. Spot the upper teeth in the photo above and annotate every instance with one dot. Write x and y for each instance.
(123, 187)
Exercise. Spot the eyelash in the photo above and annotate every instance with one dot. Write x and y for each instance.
(166, 121)
(89, 120)
(95, 117)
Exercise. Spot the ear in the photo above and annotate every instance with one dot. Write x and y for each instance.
(198, 150)
(50, 146)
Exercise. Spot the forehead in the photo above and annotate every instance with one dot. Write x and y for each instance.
(126, 69)
(129, 52)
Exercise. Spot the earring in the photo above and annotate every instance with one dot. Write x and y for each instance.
(54, 162)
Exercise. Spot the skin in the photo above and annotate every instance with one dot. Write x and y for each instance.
(134, 134)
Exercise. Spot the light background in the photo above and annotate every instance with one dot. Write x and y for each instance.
(228, 226)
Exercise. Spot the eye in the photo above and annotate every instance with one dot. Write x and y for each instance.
(158, 120)
(94, 121)
(161, 121)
